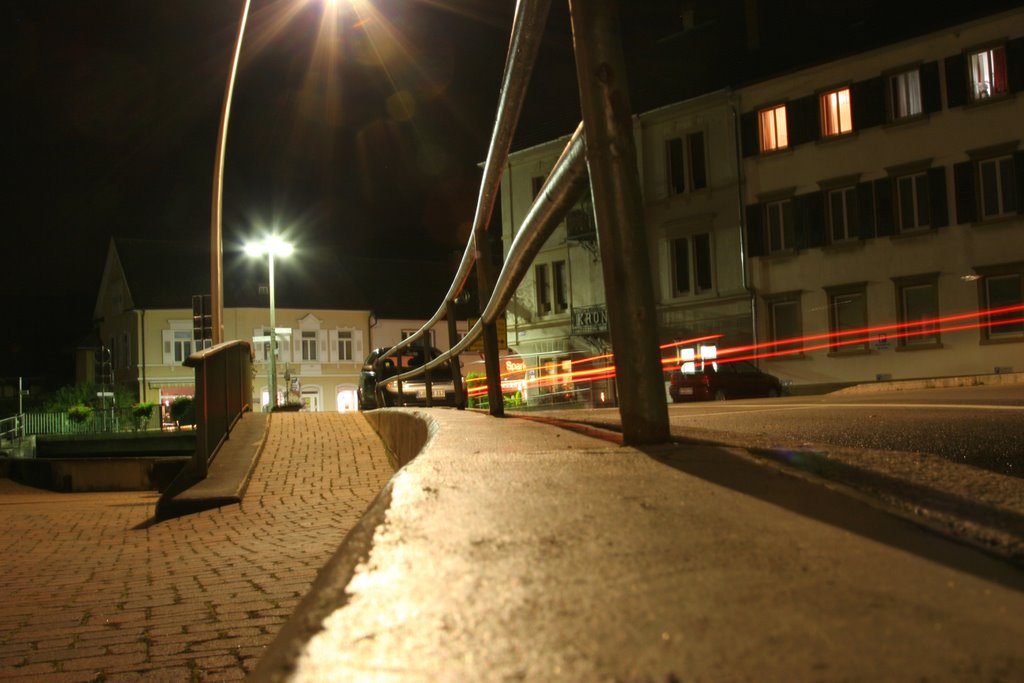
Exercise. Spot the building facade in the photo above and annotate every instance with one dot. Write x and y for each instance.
(146, 331)
(852, 221)
(883, 201)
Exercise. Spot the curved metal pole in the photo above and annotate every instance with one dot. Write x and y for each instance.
(216, 233)
(560, 192)
(527, 31)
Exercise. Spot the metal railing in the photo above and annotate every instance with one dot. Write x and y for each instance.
(608, 157)
(100, 422)
(223, 393)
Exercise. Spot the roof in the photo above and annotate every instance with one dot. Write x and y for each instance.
(163, 274)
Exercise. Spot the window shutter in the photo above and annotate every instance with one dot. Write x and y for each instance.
(956, 81)
(884, 217)
(931, 90)
(865, 211)
(1018, 171)
(810, 220)
(937, 198)
(748, 134)
(1015, 65)
(755, 231)
(357, 346)
(965, 194)
(868, 103)
(168, 339)
(803, 118)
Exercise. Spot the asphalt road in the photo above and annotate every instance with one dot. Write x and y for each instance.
(978, 426)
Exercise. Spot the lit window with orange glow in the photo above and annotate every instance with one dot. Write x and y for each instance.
(836, 116)
(772, 123)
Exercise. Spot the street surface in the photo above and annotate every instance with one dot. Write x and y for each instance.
(978, 426)
(93, 591)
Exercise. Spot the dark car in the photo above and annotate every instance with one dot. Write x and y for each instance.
(737, 379)
(414, 391)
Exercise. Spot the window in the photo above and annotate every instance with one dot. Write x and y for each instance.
(309, 345)
(684, 155)
(836, 115)
(430, 335)
(917, 301)
(344, 345)
(261, 348)
(1001, 288)
(691, 269)
(779, 219)
(842, 205)
(182, 345)
(987, 73)
(997, 183)
(784, 325)
(772, 123)
(540, 274)
(912, 202)
(847, 316)
(905, 95)
(561, 284)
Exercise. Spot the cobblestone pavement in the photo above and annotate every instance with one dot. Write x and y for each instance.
(93, 591)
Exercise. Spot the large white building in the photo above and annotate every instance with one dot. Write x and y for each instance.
(884, 205)
(335, 311)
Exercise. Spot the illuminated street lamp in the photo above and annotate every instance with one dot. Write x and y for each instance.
(270, 247)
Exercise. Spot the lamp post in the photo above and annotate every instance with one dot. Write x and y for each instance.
(270, 247)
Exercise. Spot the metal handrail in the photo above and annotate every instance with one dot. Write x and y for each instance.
(223, 393)
(527, 31)
(609, 163)
(557, 196)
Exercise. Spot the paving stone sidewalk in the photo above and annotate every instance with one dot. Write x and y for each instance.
(92, 590)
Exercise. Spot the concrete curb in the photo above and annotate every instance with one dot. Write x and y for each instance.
(933, 383)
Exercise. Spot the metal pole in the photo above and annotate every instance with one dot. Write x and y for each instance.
(485, 283)
(273, 334)
(216, 239)
(456, 366)
(618, 207)
(428, 387)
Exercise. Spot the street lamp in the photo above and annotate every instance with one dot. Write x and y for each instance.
(216, 217)
(270, 247)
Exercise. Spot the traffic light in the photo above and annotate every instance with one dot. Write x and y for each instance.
(202, 321)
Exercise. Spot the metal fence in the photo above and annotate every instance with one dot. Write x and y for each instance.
(99, 422)
(606, 157)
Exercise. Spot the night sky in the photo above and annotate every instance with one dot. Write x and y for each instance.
(361, 131)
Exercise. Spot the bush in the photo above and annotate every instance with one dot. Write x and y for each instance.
(142, 412)
(183, 410)
(79, 413)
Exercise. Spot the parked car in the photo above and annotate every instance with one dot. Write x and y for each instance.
(414, 391)
(737, 379)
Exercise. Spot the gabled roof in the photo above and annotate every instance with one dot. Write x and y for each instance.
(162, 274)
